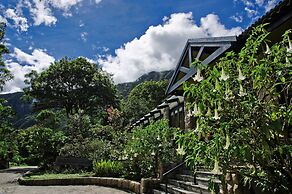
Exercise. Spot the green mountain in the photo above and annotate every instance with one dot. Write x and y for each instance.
(22, 109)
(125, 88)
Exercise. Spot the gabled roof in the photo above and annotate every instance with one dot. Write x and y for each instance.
(204, 49)
(277, 16)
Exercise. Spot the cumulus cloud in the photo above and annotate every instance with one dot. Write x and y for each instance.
(160, 47)
(41, 13)
(19, 21)
(23, 63)
(63, 4)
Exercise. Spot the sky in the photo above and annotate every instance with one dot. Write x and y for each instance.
(127, 38)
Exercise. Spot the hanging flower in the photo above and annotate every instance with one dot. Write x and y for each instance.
(227, 142)
(219, 107)
(217, 85)
(152, 153)
(268, 50)
(216, 115)
(158, 138)
(240, 76)
(180, 150)
(228, 93)
(241, 91)
(216, 167)
(209, 114)
(197, 126)
(189, 113)
(223, 77)
(197, 110)
(289, 49)
(135, 155)
(198, 76)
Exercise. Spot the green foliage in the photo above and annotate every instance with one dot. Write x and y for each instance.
(5, 75)
(73, 85)
(6, 132)
(148, 148)
(143, 98)
(243, 112)
(107, 168)
(40, 145)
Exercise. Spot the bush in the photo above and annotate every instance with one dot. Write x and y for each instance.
(150, 150)
(107, 168)
(40, 145)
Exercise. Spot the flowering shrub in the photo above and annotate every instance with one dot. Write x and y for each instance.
(243, 112)
(150, 147)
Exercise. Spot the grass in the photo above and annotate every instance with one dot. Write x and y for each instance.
(47, 176)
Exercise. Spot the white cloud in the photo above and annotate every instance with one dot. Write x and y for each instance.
(248, 3)
(19, 21)
(160, 47)
(41, 13)
(63, 4)
(97, 1)
(270, 4)
(237, 18)
(250, 12)
(83, 36)
(24, 63)
(260, 2)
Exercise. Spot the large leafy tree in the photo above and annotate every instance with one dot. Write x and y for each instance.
(4, 72)
(6, 112)
(73, 85)
(143, 98)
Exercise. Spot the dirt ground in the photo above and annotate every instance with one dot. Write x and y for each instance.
(9, 185)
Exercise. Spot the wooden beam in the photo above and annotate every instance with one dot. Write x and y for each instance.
(200, 52)
(184, 69)
(192, 70)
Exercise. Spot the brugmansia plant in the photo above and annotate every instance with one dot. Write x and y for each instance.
(243, 111)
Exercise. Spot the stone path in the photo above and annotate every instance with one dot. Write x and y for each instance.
(9, 185)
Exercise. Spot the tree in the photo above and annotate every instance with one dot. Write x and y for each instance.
(73, 85)
(245, 103)
(143, 98)
(4, 72)
(6, 113)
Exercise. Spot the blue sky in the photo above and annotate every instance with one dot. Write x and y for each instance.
(127, 37)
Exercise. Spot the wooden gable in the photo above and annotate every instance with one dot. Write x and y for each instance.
(204, 49)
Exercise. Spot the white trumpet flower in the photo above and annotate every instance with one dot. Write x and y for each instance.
(198, 76)
(197, 111)
(241, 91)
(240, 76)
(268, 50)
(197, 126)
(216, 115)
(227, 142)
(180, 151)
(289, 49)
(216, 167)
(219, 107)
(209, 114)
(223, 77)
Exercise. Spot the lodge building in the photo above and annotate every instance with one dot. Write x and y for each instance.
(209, 51)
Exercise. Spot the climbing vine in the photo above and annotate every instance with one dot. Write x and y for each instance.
(243, 111)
